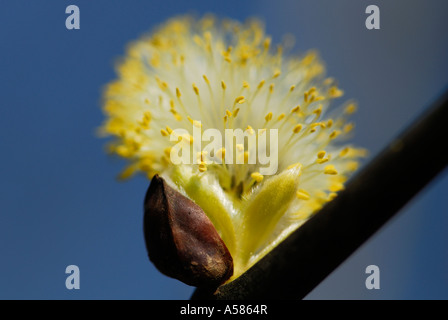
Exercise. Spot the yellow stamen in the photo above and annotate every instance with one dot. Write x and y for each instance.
(303, 195)
(195, 89)
(258, 177)
(330, 169)
(321, 154)
(297, 128)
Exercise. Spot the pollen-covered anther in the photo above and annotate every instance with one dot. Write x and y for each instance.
(314, 126)
(297, 128)
(335, 134)
(195, 89)
(296, 109)
(348, 127)
(351, 108)
(344, 152)
(240, 100)
(332, 195)
(335, 92)
(277, 73)
(330, 169)
(202, 167)
(257, 176)
(321, 154)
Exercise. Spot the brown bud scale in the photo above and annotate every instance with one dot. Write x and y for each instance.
(181, 240)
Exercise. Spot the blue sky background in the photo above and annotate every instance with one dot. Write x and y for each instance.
(60, 203)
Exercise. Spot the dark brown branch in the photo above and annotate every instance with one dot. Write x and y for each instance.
(370, 199)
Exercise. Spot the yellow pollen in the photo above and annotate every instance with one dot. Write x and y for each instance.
(321, 154)
(344, 151)
(351, 108)
(332, 195)
(169, 130)
(297, 128)
(295, 109)
(240, 100)
(196, 89)
(334, 92)
(268, 117)
(280, 117)
(291, 89)
(178, 92)
(223, 85)
(336, 186)
(318, 111)
(330, 169)
(257, 176)
(206, 79)
(228, 113)
(271, 88)
(320, 161)
(276, 74)
(164, 133)
(352, 165)
(162, 84)
(334, 134)
(261, 84)
(348, 127)
(202, 167)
